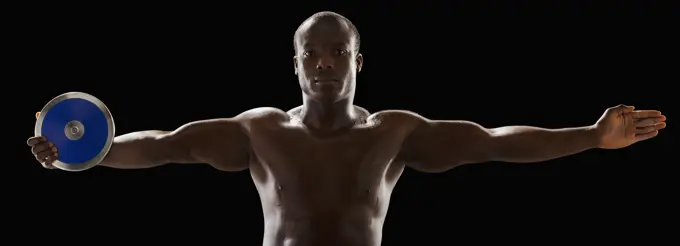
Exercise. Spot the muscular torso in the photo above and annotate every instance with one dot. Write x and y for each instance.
(324, 190)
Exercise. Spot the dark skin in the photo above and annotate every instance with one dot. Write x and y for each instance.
(333, 185)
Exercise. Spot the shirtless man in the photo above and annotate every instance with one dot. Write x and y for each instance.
(325, 170)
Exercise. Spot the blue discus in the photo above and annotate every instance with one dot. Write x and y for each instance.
(80, 126)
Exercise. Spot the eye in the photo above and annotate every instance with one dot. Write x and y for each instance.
(308, 53)
(342, 51)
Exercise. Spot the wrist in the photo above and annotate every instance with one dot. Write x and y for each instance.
(593, 136)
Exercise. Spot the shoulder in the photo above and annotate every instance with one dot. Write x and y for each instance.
(403, 118)
(244, 119)
(262, 113)
(415, 125)
(262, 117)
(402, 121)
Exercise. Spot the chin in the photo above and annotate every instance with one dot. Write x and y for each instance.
(326, 98)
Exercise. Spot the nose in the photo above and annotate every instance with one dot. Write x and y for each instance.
(325, 63)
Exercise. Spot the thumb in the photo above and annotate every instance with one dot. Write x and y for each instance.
(621, 109)
(37, 114)
(627, 109)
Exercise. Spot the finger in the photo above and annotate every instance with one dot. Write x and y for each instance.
(37, 114)
(42, 157)
(660, 125)
(643, 130)
(647, 129)
(32, 141)
(649, 121)
(642, 137)
(41, 147)
(46, 153)
(637, 114)
(48, 163)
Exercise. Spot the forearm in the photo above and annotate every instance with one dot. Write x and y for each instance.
(533, 144)
(136, 150)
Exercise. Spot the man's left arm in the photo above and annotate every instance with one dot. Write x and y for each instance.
(435, 146)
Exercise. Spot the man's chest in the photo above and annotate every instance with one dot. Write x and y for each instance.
(360, 157)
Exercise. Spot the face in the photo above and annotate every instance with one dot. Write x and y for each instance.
(326, 62)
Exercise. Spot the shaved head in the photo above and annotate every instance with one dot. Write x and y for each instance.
(327, 18)
(327, 57)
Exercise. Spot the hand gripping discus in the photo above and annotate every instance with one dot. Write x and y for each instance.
(80, 126)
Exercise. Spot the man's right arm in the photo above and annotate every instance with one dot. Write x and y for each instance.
(222, 143)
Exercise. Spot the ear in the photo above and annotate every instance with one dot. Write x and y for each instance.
(295, 65)
(360, 62)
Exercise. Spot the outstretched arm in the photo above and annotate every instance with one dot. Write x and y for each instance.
(221, 143)
(435, 146)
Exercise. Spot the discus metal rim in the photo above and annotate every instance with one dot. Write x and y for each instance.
(111, 129)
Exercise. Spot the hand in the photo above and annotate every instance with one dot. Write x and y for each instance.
(622, 126)
(43, 150)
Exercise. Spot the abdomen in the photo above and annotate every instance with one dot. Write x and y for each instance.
(351, 227)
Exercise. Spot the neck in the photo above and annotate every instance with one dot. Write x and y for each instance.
(328, 115)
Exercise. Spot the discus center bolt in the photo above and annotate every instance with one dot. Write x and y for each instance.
(74, 130)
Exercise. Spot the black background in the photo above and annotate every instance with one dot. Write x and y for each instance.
(544, 63)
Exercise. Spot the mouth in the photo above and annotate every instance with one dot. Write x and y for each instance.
(326, 81)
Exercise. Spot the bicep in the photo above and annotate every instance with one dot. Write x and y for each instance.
(437, 146)
(221, 143)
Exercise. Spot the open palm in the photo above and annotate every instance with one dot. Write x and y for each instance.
(622, 126)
